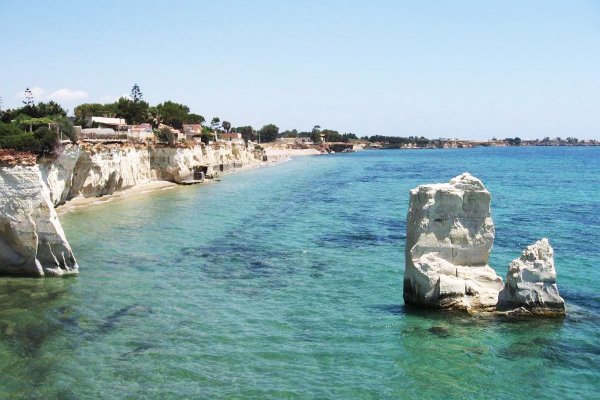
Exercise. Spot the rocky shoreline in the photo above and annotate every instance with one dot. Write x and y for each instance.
(450, 231)
(32, 242)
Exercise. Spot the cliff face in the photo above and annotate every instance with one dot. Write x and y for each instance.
(94, 172)
(100, 170)
(32, 241)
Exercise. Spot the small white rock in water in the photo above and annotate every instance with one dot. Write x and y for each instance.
(531, 282)
(450, 233)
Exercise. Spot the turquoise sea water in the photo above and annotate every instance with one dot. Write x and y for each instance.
(286, 282)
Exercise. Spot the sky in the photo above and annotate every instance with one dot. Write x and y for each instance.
(465, 69)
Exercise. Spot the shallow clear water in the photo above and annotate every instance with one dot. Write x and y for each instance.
(286, 282)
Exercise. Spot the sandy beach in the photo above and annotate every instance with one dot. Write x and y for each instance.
(154, 186)
(82, 202)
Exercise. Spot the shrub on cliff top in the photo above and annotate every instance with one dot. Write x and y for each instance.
(207, 137)
(42, 142)
(9, 130)
(165, 134)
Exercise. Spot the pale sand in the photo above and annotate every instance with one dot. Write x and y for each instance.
(81, 202)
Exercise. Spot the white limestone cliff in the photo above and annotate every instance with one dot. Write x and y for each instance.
(450, 233)
(531, 282)
(32, 241)
(95, 171)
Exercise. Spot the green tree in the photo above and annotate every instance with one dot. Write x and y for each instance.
(247, 132)
(9, 130)
(29, 101)
(25, 122)
(226, 125)
(173, 114)
(315, 134)
(134, 112)
(349, 136)
(84, 112)
(215, 124)
(66, 129)
(50, 109)
(29, 104)
(43, 141)
(154, 116)
(268, 133)
(136, 93)
(290, 134)
(40, 110)
(207, 137)
(194, 119)
(513, 142)
(48, 140)
(331, 135)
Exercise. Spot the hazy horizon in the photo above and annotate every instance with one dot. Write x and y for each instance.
(463, 69)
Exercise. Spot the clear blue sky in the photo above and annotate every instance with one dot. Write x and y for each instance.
(468, 69)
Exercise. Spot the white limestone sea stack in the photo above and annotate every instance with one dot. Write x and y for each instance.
(449, 237)
(32, 241)
(531, 282)
(450, 233)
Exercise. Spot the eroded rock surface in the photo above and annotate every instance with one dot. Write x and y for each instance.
(94, 171)
(450, 233)
(32, 241)
(531, 282)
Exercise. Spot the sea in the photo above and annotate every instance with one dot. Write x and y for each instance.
(285, 282)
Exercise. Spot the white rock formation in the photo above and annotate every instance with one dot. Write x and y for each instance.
(32, 241)
(450, 233)
(531, 282)
(94, 172)
(58, 173)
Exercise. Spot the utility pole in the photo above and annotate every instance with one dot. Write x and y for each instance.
(0, 106)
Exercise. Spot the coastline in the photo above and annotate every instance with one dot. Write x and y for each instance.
(79, 203)
(83, 175)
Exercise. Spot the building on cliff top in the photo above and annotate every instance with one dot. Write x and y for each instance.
(232, 137)
(105, 122)
(192, 130)
(115, 129)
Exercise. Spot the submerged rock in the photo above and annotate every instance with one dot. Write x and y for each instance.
(32, 241)
(450, 233)
(531, 282)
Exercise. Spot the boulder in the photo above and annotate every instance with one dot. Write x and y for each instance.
(531, 282)
(32, 241)
(450, 233)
